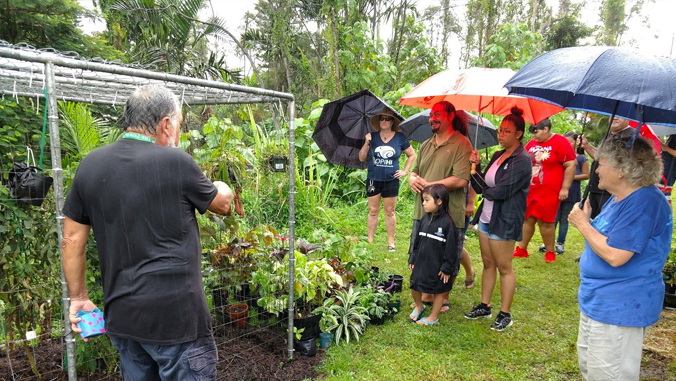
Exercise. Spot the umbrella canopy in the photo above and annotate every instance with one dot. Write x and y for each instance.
(479, 90)
(417, 127)
(600, 79)
(343, 124)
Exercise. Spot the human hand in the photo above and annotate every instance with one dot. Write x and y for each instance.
(582, 142)
(411, 266)
(417, 183)
(399, 174)
(77, 305)
(444, 277)
(474, 157)
(578, 217)
(368, 139)
(469, 209)
(563, 194)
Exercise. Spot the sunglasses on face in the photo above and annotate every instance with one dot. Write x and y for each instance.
(386, 118)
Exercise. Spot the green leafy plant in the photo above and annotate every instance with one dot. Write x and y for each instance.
(669, 270)
(374, 301)
(346, 318)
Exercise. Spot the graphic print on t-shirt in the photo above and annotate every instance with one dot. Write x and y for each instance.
(540, 154)
(382, 156)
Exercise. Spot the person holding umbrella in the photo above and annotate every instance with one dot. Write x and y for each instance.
(621, 287)
(504, 185)
(382, 150)
(443, 159)
(553, 160)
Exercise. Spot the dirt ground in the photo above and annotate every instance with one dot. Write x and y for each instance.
(659, 350)
(252, 353)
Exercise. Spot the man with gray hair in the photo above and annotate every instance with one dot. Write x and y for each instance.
(139, 196)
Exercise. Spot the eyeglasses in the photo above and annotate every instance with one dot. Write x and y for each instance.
(386, 118)
(532, 129)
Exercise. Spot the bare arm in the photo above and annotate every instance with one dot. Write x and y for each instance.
(469, 208)
(598, 242)
(584, 172)
(667, 149)
(222, 203)
(567, 178)
(364, 151)
(409, 162)
(75, 236)
(588, 148)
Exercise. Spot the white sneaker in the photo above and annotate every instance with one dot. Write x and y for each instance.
(559, 248)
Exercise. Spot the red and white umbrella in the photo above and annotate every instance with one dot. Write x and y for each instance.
(479, 90)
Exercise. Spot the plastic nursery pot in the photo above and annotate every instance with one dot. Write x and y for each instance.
(238, 314)
(310, 325)
(397, 280)
(669, 296)
(394, 306)
(325, 339)
(278, 163)
(307, 347)
(377, 320)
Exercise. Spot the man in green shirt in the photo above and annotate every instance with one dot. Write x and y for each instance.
(443, 159)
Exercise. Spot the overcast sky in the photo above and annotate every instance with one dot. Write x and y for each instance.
(656, 39)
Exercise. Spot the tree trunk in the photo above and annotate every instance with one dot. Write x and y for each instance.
(336, 62)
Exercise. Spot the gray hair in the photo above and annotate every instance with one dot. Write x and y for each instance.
(148, 105)
(640, 163)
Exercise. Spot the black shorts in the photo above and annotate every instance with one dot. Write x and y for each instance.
(383, 188)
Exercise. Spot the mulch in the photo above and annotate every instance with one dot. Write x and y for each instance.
(251, 353)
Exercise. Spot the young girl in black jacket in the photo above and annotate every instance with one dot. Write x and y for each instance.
(435, 256)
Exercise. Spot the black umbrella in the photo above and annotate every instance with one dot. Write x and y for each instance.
(343, 124)
(417, 128)
(601, 79)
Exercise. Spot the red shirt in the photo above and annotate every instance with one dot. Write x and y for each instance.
(548, 159)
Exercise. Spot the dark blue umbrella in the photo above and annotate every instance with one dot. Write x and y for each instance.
(344, 123)
(605, 80)
(417, 128)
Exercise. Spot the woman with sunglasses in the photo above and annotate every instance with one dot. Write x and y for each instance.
(382, 150)
(504, 186)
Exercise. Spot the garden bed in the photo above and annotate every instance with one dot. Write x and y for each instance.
(253, 353)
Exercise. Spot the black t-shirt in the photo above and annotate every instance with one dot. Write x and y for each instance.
(593, 177)
(140, 199)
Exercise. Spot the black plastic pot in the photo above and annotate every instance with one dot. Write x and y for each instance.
(219, 297)
(310, 324)
(377, 320)
(398, 281)
(243, 294)
(307, 347)
(669, 296)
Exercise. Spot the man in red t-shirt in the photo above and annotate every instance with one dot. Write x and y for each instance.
(553, 172)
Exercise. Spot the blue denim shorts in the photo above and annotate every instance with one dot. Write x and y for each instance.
(483, 229)
(191, 361)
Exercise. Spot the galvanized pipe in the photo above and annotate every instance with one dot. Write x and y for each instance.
(57, 174)
(292, 218)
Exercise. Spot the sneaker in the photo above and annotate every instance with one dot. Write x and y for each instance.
(501, 322)
(520, 253)
(560, 249)
(480, 311)
(391, 248)
(550, 257)
(542, 248)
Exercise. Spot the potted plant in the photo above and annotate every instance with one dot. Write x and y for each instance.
(375, 303)
(350, 317)
(325, 324)
(394, 303)
(238, 314)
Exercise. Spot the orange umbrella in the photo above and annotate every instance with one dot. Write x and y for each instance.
(478, 90)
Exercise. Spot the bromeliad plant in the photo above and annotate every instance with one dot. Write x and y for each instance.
(347, 318)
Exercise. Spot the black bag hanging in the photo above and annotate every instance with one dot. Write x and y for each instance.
(27, 184)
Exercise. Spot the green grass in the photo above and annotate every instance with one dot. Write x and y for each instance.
(541, 345)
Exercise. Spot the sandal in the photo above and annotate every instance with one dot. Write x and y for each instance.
(391, 248)
(414, 317)
(427, 322)
(469, 283)
(448, 308)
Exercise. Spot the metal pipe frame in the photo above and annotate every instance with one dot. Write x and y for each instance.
(292, 219)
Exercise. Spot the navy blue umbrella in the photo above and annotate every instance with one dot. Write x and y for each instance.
(417, 128)
(605, 80)
(344, 123)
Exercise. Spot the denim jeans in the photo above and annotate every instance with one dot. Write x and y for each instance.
(562, 220)
(195, 360)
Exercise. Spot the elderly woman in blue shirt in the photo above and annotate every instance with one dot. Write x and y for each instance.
(621, 287)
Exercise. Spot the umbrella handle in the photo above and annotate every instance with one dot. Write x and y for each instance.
(473, 170)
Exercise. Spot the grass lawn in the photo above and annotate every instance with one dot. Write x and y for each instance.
(539, 346)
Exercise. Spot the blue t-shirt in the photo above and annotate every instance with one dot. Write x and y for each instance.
(383, 158)
(630, 295)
